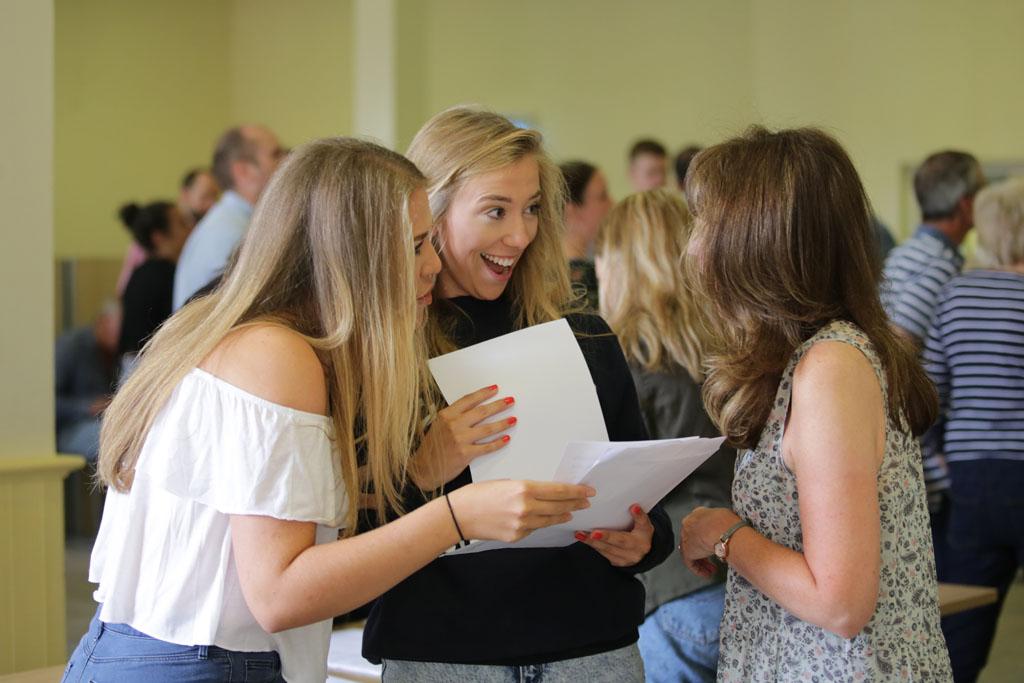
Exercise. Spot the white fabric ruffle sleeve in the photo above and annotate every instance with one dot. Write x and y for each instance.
(240, 454)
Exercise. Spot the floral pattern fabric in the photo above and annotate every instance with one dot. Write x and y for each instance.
(762, 641)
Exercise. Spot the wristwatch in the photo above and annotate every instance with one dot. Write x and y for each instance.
(722, 547)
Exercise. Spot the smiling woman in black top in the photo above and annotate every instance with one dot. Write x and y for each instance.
(567, 613)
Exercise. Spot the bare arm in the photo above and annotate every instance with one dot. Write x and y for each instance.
(834, 442)
(286, 579)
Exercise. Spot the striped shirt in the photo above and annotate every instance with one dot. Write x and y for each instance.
(915, 273)
(975, 356)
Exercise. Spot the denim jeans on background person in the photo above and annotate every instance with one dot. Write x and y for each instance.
(679, 640)
(985, 547)
(616, 666)
(117, 653)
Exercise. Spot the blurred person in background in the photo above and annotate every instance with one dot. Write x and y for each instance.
(161, 229)
(649, 306)
(682, 163)
(244, 160)
(648, 165)
(85, 373)
(587, 202)
(916, 271)
(975, 355)
(198, 193)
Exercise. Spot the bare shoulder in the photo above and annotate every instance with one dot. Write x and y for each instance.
(837, 365)
(837, 410)
(272, 362)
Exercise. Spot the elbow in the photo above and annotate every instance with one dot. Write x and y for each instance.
(272, 618)
(848, 617)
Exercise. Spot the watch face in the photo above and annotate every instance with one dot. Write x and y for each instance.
(720, 550)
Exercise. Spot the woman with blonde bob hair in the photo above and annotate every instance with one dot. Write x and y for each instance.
(831, 569)
(647, 302)
(231, 452)
(566, 613)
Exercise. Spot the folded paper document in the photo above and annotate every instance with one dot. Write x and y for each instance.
(560, 434)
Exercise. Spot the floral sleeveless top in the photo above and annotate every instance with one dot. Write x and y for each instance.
(762, 641)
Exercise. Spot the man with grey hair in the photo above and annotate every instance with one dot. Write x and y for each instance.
(945, 185)
(243, 161)
(915, 273)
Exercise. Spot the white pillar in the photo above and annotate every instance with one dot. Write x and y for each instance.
(31, 495)
(375, 90)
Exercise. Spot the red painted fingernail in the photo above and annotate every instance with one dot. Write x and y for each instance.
(506, 438)
(636, 509)
(510, 400)
(493, 387)
(597, 535)
(580, 536)
(512, 420)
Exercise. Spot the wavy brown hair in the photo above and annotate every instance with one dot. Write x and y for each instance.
(328, 254)
(644, 295)
(784, 246)
(463, 142)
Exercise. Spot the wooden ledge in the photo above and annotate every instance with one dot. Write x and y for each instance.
(40, 464)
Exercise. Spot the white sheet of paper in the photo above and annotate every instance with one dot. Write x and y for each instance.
(543, 368)
(623, 473)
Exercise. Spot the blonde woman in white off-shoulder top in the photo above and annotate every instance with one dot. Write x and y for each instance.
(230, 454)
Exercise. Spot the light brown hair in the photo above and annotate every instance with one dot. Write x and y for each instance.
(463, 142)
(329, 254)
(784, 247)
(644, 295)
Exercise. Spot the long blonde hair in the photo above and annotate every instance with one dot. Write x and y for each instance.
(329, 254)
(463, 142)
(644, 295)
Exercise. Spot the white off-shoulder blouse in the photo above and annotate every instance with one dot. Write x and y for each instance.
(163, 558)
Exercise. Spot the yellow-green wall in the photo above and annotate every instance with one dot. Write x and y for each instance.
(291, 66)
(895, 81)
(143, 89)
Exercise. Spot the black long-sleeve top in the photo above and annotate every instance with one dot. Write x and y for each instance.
(524, 606)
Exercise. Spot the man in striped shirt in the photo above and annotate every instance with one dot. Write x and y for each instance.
(917, 270)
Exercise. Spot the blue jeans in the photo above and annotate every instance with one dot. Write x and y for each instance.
(617, 666)
(679, 640)
(985, 546)
(117, 653)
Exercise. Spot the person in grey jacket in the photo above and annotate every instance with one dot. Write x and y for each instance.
(645, 300)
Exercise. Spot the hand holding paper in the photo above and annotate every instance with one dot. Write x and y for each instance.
(622, 548)
(560, 434)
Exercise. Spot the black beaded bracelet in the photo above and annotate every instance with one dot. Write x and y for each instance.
(462, 536)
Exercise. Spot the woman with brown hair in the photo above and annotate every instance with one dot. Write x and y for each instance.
(568, 613)
(831, 570)
(232, 453)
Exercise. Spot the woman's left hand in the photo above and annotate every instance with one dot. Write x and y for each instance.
(700, 530)
(622, 548)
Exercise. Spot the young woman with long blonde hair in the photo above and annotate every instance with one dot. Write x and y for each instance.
(657, 318)
(562, 613)
(231, 452)
(831, 568)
